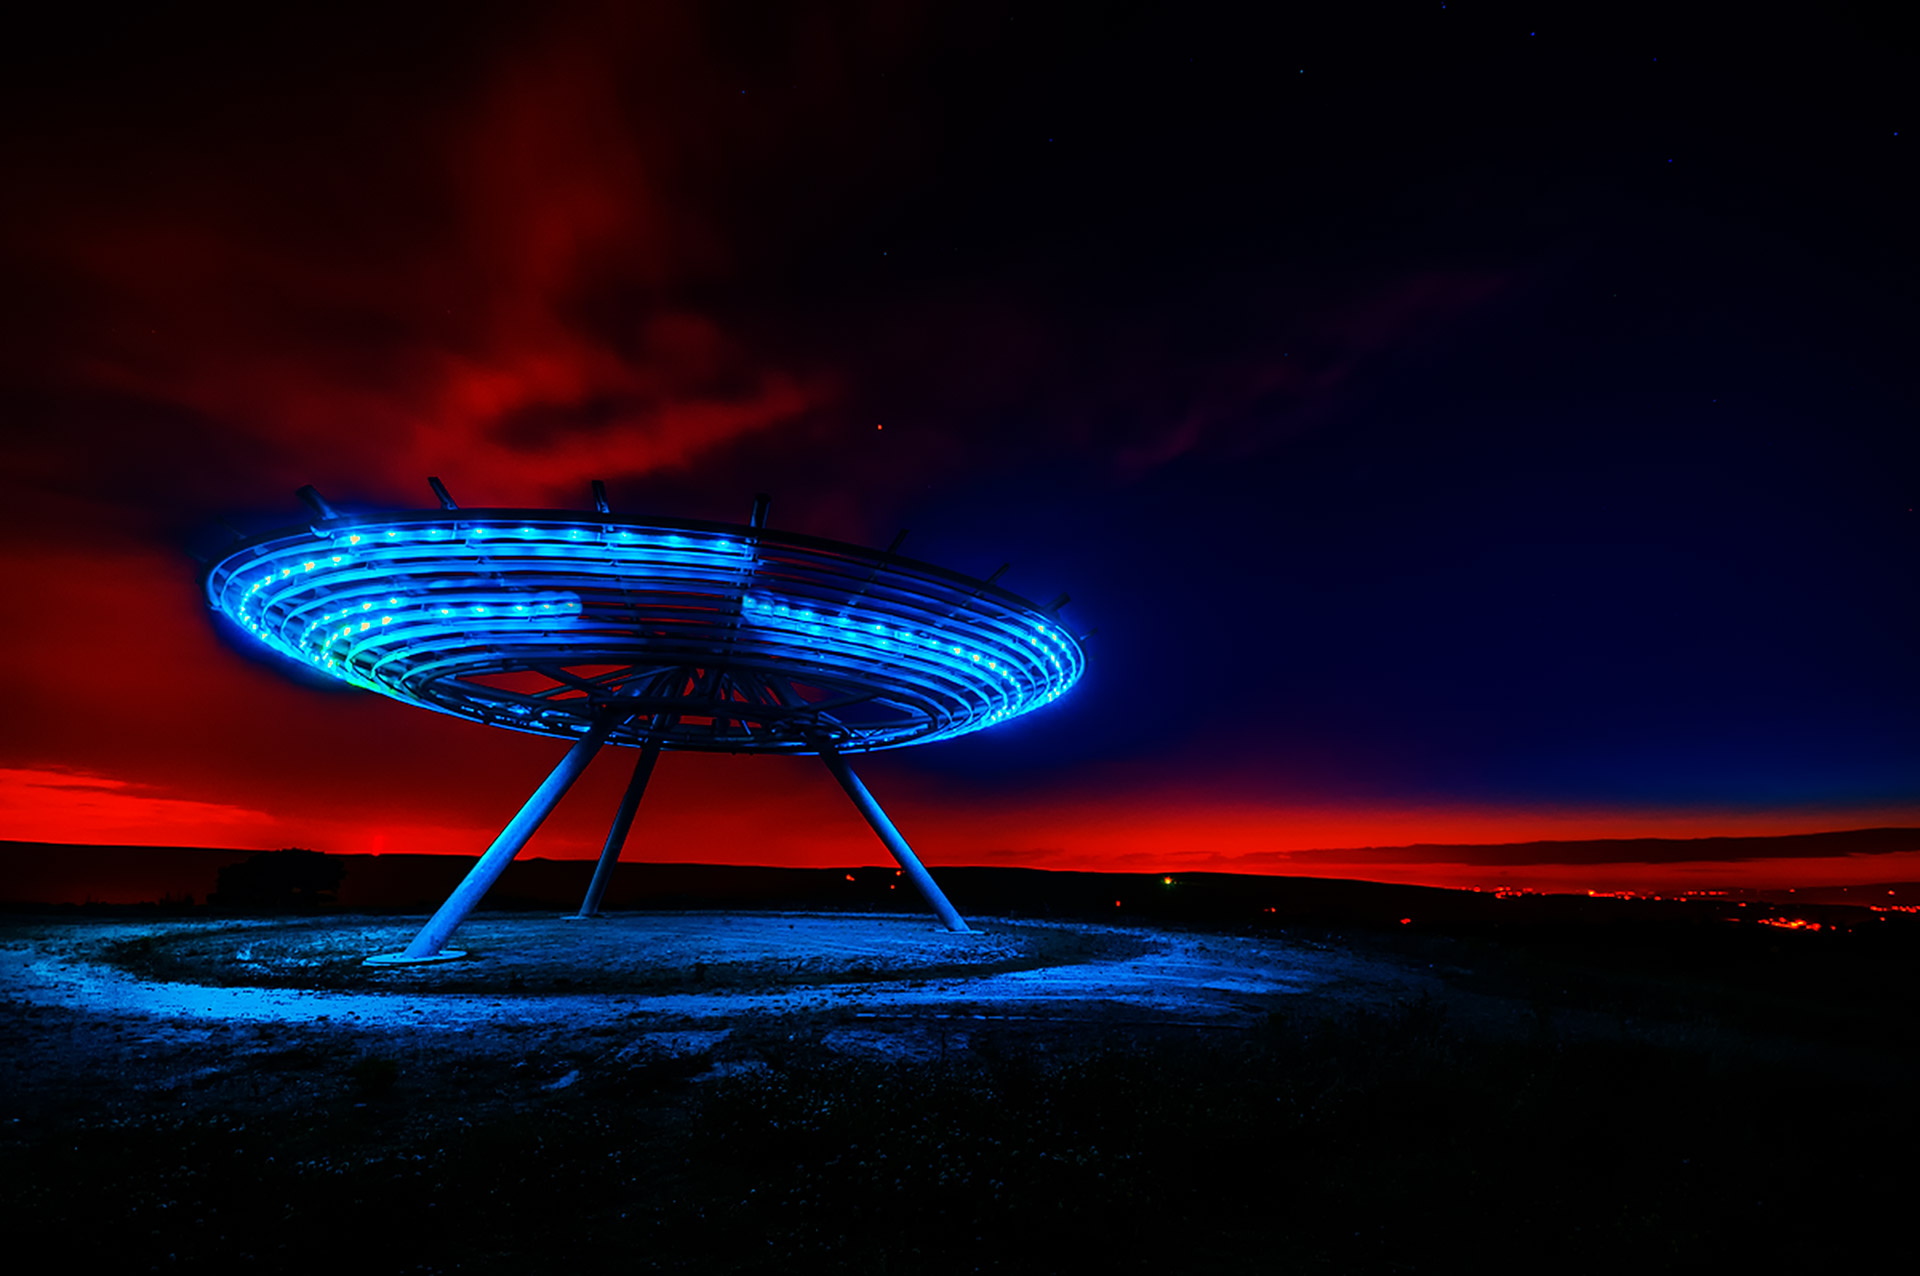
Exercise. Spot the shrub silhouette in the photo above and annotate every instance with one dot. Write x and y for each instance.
(292, 879)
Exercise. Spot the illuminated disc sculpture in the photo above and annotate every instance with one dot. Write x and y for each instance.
(655, 635)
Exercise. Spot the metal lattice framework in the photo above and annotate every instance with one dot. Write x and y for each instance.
(715, 637)
(657, 634)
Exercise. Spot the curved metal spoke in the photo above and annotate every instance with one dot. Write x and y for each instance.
(760, 633)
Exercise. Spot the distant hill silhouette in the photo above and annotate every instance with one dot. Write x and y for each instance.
(41, 874)
(76, 873)
(250, 881)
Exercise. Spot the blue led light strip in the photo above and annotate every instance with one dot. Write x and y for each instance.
(748, 640)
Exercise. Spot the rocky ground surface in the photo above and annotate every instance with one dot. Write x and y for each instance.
(120, 1012)
(767, 1091)
(673, 974)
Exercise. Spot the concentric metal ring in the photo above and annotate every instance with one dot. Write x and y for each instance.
(710, 636)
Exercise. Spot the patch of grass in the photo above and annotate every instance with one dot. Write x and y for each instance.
(374, 1077)
(1859, 987)
(1366, 1142)
(1321, 1143)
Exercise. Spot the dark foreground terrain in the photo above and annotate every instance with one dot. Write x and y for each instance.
(1643, 1096)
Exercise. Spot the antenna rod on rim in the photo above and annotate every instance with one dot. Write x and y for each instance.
(440, 490)
(311, 498)
(600, 497)
(760, 503)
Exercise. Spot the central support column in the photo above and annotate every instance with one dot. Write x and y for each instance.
(622, 822)
(433, 936)
(889, 835)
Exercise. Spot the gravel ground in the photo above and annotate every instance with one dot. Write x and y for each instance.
(780, 1092)
(222, 1011)
(526, 972)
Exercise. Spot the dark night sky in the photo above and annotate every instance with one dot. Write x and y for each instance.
(1459, 422)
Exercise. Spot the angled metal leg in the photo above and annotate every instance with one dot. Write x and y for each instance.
(433, 936)
(617, 835)
(889, 835)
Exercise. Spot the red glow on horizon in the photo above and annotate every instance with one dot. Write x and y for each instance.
(801, 820)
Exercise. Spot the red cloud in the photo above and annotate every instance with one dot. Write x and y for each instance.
(494, 290)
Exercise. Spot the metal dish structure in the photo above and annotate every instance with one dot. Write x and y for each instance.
(656, 635)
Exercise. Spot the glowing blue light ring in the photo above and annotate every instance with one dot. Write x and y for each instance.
(417, 605)
(377, 585)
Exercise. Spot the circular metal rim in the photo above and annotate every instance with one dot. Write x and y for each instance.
(757, 610)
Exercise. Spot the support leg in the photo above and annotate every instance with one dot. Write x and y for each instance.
(617, 835)
(433, 936)
(889, 835)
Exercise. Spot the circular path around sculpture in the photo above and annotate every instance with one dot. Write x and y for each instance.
(691, 967)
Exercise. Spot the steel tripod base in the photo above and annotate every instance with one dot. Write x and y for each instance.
(401, 959)
(426, 946)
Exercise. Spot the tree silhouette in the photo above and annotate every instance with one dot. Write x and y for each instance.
(292, 879)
